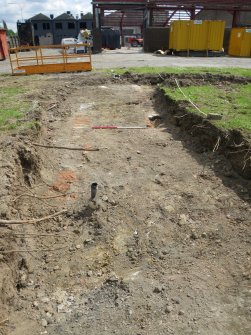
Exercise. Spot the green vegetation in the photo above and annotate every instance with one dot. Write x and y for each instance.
(12, 107)
(233, 102)
(88, 15)
(186, 70)
(11, 33)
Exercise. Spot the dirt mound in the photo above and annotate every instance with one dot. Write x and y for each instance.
(186, 79)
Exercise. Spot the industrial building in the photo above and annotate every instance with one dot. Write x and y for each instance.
(153, 18)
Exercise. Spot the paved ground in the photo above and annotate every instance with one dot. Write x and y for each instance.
(134, 57)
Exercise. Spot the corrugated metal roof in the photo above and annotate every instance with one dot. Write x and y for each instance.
(131, 12)
(135, 18)
(130, 18)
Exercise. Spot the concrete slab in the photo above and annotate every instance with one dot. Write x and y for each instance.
(134, 57)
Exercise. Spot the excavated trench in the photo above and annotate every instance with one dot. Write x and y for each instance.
(163, 248)
(233, 144)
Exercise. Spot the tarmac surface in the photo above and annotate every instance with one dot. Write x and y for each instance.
(134, 57)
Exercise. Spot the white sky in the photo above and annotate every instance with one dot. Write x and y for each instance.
(12, 13)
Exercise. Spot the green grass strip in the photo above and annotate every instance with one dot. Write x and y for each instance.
(184, 70)
(12, 107)
(233, 102)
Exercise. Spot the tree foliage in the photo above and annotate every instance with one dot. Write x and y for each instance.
(10, 32)
(88, 15)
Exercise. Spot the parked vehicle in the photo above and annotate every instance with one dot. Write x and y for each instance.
(84, 37)
(70, 42)
(136, 41)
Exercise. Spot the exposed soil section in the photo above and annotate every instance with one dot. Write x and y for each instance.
(235, 145)
(163, 248)
(168, 79)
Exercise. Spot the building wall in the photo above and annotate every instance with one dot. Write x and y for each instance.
(88, 23)
(40, 30)
(243, 18)
(25, 33)
(42, 34)
(216, 15)
(46, 39)
(130, 30)
(65, 31)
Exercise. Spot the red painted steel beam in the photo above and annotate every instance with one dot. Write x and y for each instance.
(240, 9)
(234, 6)
(175, 2)
(187, 3)
(203, 2)
(179, 8)
(121, 29)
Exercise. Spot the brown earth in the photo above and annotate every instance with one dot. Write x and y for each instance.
(165, 246)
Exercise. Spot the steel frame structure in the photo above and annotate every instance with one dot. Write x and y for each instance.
(148, 7)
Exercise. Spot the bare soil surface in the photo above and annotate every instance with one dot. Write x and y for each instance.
(164, 248)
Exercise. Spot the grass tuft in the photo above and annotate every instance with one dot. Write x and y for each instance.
(233, 102)
(184, 70)
(12, 107)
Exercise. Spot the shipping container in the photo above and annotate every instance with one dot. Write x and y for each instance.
(240, 42)
(196, 35)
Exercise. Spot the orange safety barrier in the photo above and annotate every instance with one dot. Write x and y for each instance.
(50, 59)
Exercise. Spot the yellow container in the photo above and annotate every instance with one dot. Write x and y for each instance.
(196, 35)
(240, 42)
